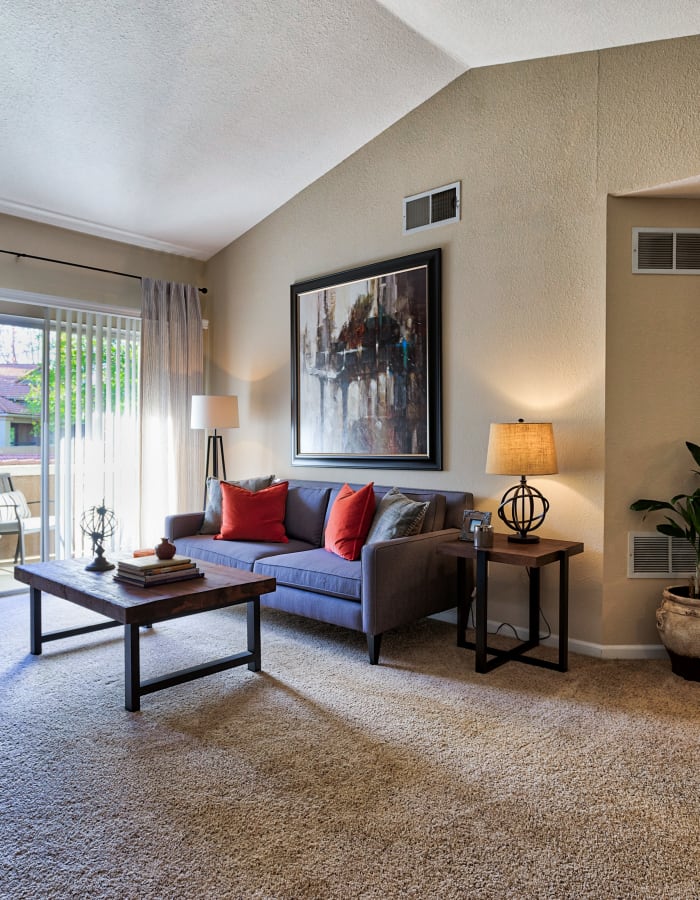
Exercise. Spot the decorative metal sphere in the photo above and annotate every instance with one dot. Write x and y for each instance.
(98, 523)
(523, 509)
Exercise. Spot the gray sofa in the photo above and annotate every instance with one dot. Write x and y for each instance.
(394, 582)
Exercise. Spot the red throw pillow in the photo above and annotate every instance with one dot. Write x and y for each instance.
(253, 515)
(349, 521)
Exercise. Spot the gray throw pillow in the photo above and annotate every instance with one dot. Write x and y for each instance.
(212, 511)
(396, 516)
(306, 513)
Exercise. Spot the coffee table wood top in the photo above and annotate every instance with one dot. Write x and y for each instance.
(130, 605)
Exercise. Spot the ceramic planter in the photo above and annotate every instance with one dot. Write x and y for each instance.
(678, 623)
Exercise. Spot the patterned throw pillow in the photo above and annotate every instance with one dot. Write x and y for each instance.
(396, 516)
(253, 515)
(349, 521)
(212, 511)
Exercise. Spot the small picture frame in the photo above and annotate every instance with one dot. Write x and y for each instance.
(472, 518)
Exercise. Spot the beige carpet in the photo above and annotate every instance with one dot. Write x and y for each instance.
(324, 777)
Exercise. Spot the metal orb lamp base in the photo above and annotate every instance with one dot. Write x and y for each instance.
(523, 509)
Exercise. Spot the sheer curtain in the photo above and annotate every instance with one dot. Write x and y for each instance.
(91, 413)
(172, 370)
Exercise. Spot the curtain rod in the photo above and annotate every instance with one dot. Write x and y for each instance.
(62, 262)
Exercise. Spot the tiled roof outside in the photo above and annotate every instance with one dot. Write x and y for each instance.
(11, 408)
(17, 370)
(13, 388)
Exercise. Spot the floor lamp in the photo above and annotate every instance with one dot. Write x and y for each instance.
(212, 412)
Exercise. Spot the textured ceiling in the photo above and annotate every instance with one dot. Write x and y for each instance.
(179, 124)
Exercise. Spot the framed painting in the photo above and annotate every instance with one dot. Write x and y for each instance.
(366, 372)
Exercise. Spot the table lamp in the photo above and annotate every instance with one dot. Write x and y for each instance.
(522, 448)
(214, 412)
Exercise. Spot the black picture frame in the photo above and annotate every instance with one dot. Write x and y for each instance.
(366, 366)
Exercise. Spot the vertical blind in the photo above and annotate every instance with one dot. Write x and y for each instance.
(93, 424)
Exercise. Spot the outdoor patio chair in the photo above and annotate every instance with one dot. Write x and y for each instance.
(16, 516)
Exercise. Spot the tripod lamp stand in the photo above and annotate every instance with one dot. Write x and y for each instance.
(212, 412)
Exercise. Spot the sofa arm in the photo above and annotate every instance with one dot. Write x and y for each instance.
(182, 524)
(406, 579)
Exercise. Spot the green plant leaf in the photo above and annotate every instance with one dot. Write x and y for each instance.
(693, 514)
(672, 529)
(695, 450)
(685, 506)
(650, 505)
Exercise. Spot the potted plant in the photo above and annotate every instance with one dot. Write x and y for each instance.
(678, 617)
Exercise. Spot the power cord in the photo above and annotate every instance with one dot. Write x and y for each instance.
(470, 615)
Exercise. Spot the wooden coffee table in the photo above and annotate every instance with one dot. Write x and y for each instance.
(135, 607)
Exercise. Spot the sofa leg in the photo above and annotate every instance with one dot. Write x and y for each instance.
(374, 642)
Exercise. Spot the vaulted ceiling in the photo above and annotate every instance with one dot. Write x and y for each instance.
(180, 124)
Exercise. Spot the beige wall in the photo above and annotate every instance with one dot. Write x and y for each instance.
(652, 403)
(538, 146)
(34, 277)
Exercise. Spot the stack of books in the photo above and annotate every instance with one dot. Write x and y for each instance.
(145, 571)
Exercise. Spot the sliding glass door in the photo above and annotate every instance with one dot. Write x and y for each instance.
(69, 428)
(21, 343)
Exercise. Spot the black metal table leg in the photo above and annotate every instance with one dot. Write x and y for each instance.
(132, 669)
(35, 621)
(253, 617)
(462, 601)
(563, 612)
(481, 624)
(534, 621)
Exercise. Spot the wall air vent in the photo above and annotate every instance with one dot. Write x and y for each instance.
(666, 251)
(653, 555)
(431, 208)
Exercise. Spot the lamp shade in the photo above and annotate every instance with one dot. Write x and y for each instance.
(211, 411)
(521, 448)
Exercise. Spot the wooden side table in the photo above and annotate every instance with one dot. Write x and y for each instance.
(532, 556)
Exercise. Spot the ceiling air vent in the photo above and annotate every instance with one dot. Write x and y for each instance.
(666, 251)
(653, 555)
(431, 208)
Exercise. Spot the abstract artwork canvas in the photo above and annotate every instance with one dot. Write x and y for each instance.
(366, 366)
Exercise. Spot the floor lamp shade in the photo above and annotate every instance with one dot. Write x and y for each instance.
(212, 412)
(522, 448)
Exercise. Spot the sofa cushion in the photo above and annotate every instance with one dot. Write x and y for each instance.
(315, 570)
(350, 520)
(253, 515)
(212, 509)
(306, 513)
(240, 554)
(396, 516)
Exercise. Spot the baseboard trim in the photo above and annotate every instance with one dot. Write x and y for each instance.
(585, 648)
